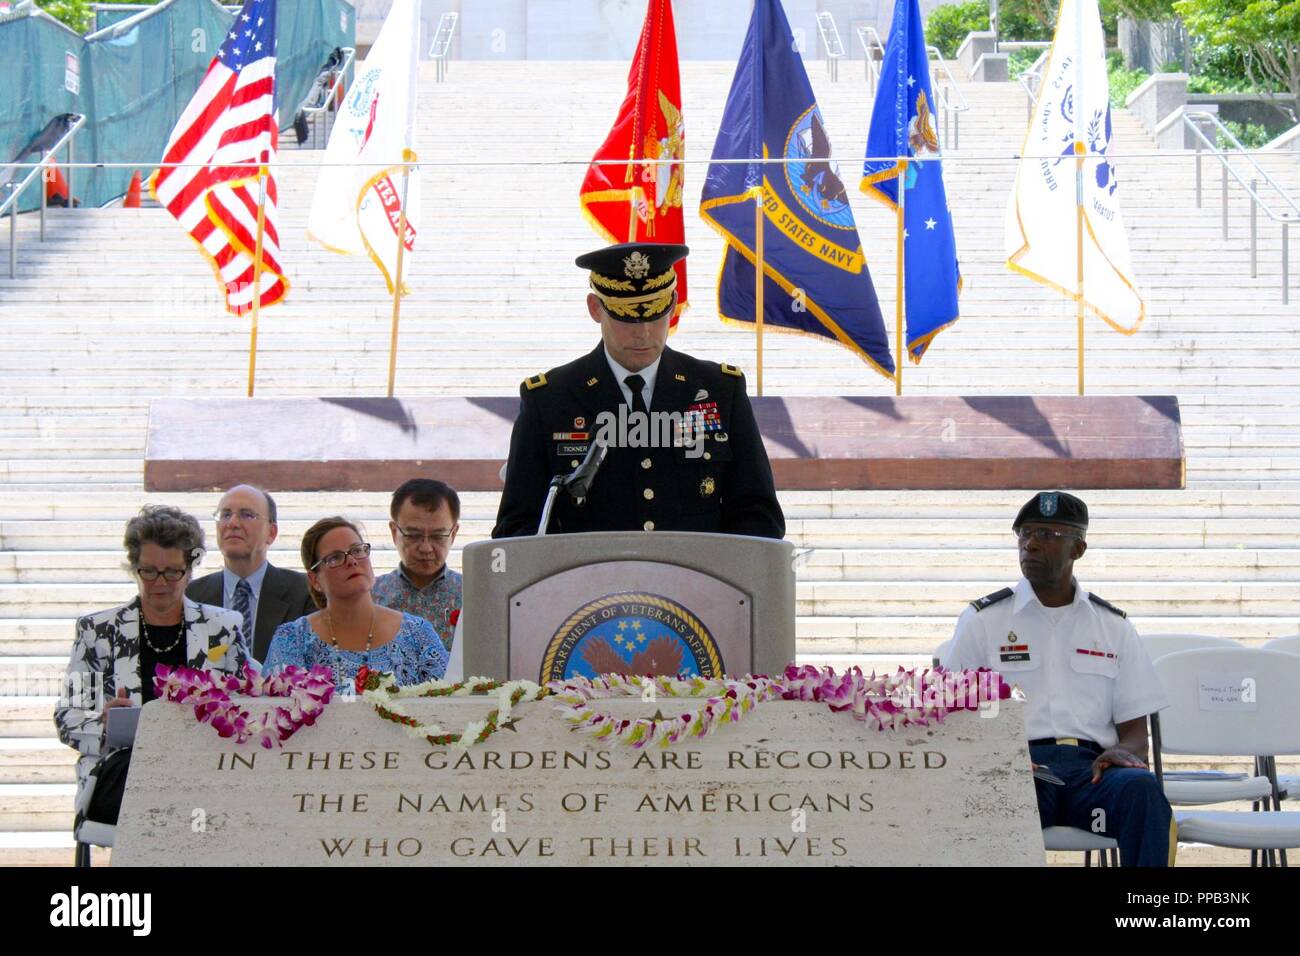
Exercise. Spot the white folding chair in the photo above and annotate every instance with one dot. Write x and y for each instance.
(1198, 788)
(1071, 839)
(89, 833)
(1288, 784)
(1238, 702)
(1158, 645)
(1287, 645)
(942, 649)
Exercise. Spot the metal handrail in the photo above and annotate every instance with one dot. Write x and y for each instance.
(132, 20)
(335, 98)
(834, 51)
(1035, 72)
(951, 112)
(441, 45)
(1286, 142)
(933, 51)
(1193, 120)
(870, 41)
(867, 32)
(10, 204)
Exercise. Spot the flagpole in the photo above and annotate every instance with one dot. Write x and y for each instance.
(758, 279)
(631, 215)
(898, 294)
(257, 272)
(397, 281)
(1079, 150)
(1078, 247)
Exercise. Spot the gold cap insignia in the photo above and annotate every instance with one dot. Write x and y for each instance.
(707, 487)
(636, 266)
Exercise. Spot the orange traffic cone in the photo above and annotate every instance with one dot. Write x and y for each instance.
(56, 187)
(132, 200)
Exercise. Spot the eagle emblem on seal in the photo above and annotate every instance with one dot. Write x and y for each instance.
(636, 266)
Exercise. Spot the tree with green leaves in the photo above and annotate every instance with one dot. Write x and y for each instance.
(1267, 32)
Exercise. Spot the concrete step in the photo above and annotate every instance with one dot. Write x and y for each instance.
(822, 633)
(39, 568)
(117, 503)
(834, 533)
(890, 597)
(36, 806)
(34, 760)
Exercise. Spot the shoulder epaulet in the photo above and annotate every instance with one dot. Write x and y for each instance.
(988, 600)
(537, 381)
(1100, 602)
(731, 370)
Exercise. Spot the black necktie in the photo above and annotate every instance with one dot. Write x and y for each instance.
(636, 383)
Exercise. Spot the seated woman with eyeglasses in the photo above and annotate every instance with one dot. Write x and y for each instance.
(117, 650)
(351, 631)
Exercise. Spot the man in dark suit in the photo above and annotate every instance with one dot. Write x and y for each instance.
(684, 453)
(265, 595)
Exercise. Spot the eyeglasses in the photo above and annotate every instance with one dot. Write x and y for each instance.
(1043, 535)
(336, 559)
(170, 574)
(419, 537)
(226, 514)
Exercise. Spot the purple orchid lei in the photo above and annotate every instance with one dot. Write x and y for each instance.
(307, 692)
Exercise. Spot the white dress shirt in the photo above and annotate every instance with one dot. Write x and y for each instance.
(648, 373)
(1082, 674)
(230, 581)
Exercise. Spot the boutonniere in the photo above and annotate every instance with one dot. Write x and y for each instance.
(454, 617)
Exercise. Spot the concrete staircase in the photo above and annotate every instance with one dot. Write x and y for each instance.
(116, 308)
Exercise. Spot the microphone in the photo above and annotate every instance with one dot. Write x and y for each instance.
(580, 481)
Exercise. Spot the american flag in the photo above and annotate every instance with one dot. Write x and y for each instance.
(231, 119)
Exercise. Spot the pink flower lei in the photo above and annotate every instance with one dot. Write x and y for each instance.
(887, 701)
(892, 701)
(307, 691)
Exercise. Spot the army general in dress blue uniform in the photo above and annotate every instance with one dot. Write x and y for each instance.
(711, 476)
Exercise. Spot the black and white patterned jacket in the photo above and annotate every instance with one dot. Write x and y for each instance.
(106, 656)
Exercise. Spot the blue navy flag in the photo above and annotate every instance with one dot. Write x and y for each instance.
(815, 275)
(902, 124)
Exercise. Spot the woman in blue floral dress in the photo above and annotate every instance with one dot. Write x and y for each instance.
(351, 631)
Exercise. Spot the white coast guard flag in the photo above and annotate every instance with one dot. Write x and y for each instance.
(1073, 108)
(358, 202)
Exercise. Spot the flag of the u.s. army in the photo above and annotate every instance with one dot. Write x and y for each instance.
(816, 279)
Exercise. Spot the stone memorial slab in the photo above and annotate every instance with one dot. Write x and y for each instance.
(791, 784)
(869, 442)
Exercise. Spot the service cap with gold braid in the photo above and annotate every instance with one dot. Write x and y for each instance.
(635, 281)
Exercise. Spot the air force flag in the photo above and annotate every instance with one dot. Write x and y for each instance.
(902, 124)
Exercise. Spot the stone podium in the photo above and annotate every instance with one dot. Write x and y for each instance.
(791, 784)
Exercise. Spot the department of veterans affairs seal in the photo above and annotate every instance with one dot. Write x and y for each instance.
(631, 633)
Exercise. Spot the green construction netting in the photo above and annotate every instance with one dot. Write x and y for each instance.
(133, 84)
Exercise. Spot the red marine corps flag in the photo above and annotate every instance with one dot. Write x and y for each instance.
(638, 196)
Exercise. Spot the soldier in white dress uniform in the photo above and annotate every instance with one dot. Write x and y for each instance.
(1088, 681)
